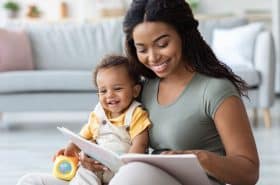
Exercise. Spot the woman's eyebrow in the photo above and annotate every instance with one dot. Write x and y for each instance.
(155, 40)
(160, 37)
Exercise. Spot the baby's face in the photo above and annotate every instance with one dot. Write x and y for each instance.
(115, 89)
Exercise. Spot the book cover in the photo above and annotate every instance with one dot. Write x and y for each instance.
(184, 167)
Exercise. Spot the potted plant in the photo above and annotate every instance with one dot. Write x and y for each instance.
(33, 11)
(12, 8)
(193, 4)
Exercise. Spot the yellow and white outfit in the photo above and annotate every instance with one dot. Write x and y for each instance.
(114, 134)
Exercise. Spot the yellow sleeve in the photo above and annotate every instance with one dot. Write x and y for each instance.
(90, 130)
(140, 121)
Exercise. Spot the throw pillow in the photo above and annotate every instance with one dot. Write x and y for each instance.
(236, 46)
(15, 51)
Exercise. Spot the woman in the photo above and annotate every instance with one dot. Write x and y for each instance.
(194, 100)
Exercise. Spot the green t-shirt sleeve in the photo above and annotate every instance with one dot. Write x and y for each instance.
(216, 91)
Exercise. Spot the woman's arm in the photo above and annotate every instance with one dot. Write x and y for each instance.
(140, 143)
(241, 164)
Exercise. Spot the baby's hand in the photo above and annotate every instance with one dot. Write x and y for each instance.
(91, 164)
(59, 152)
(71, 151)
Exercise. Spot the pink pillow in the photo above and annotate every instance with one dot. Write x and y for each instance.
(15, 51)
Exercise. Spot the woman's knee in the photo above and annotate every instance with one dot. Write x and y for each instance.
(143, 174)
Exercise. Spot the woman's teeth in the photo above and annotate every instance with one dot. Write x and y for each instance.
(159, 67)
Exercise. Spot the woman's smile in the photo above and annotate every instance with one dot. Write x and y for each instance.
(159, 67)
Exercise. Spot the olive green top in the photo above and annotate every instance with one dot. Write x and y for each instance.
(187, 123)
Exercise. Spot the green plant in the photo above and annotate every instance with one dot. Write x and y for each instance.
(35, 10)
(11, 5)
(193, 4)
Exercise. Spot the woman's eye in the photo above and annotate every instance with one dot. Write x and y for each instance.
(162, 44)
(140, 50)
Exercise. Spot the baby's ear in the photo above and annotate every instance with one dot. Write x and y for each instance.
(136, 90)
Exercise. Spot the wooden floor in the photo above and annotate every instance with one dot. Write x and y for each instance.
(30, 148)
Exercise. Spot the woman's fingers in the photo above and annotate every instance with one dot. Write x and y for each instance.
(170, 152)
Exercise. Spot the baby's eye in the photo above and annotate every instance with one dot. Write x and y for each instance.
(102, 91)
(118, 88)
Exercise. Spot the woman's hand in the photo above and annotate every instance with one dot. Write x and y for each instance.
(91, 164)
(170, 152)
(203, 156)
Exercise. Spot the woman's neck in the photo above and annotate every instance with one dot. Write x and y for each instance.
(181, 77)
(177, 83)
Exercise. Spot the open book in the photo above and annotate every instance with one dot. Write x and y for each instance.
(184, 167)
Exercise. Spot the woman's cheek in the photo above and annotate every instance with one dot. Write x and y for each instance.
(141, 58)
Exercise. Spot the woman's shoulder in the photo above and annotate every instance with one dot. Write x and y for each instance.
(215, 91)
(150, 83)
(216, 84)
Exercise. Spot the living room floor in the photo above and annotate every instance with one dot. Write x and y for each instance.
(29, 148)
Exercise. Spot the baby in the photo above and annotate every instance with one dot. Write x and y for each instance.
(118, 122)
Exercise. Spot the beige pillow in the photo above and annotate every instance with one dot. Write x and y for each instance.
(15, 51)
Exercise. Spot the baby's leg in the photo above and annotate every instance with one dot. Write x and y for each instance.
(40, 179)
(85, 177)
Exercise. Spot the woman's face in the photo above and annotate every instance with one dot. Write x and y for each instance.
(159, 48)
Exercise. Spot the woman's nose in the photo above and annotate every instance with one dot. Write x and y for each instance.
(152, 56)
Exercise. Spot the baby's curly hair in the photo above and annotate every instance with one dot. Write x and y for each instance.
(110, 61)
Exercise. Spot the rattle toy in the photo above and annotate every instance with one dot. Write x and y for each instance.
(65, 167)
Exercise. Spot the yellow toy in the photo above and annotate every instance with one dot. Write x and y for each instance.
(65, 167)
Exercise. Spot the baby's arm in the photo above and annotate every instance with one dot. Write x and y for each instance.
(140, 142)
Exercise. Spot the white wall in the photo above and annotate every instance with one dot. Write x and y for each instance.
(78, 9)
(81, 9)
(233, 6)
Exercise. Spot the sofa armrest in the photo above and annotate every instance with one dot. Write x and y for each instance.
(264, 61)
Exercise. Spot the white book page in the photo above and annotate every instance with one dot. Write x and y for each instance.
(184, 167)
(104, 156)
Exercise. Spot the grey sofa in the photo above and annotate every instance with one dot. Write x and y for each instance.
(261, 75)
(65, 54)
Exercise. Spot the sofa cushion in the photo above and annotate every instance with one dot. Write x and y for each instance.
(15, 51)
(247, 73)
(206, 27)
(46, 81)
(74, 45)
(236, 45)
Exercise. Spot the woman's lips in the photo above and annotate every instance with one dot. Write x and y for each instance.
(158, 68)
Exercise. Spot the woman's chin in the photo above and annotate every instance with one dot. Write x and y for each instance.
(162, 74)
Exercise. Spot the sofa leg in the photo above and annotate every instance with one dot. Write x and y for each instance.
(1, 120)
(255, 117)
(267, 118)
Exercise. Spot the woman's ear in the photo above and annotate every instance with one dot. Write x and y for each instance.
(136, 90)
